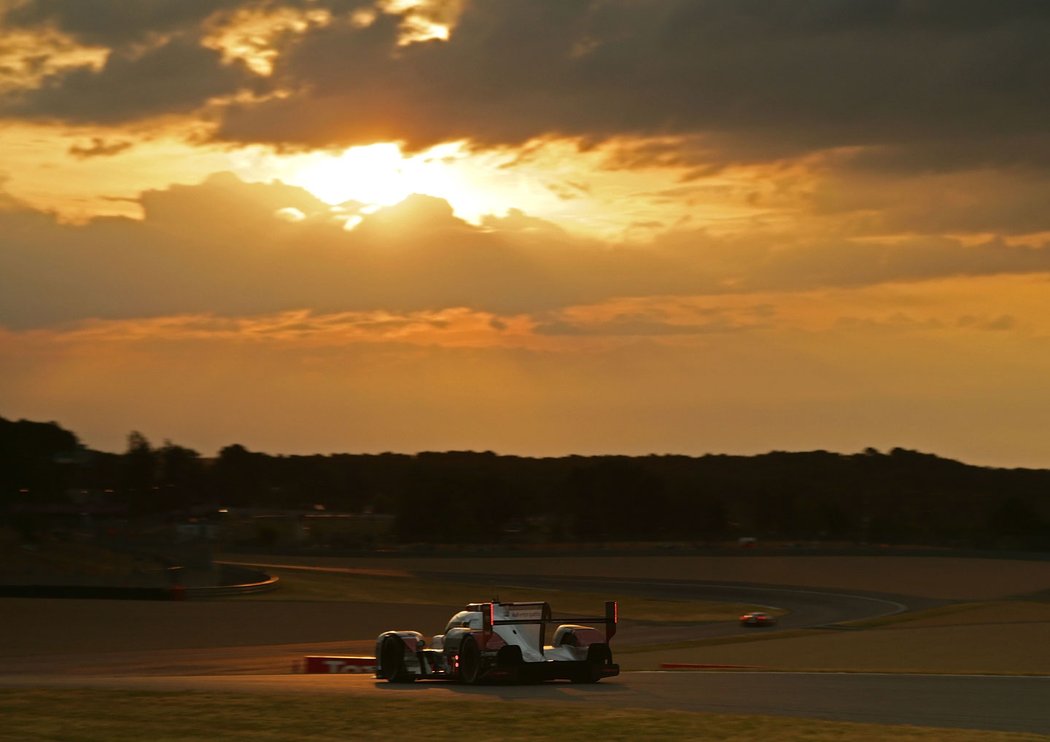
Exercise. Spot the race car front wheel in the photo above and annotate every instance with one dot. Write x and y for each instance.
(469, 661)
(392, 661)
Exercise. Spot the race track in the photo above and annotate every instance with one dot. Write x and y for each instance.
(806, 608)
(255, 647)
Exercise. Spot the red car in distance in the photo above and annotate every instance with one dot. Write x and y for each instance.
(757, 618)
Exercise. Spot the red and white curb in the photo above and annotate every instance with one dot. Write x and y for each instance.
(698, 666)
(367, 665)
(319, 664)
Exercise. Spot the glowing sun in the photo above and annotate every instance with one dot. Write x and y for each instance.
(380, 174)
(374, 174)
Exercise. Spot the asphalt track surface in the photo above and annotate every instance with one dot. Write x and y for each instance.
(252, 647)
(806, 608)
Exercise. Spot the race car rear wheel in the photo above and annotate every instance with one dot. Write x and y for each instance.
(392, 661)
(598, 655)
(469, 661)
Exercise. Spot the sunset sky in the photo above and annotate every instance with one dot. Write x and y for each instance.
(536, 227)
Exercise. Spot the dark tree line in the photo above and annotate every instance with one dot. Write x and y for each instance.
(896, 497)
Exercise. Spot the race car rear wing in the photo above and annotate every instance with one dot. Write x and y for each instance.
(539, 613)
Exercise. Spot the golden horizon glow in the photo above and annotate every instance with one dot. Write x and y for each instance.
(829, 348)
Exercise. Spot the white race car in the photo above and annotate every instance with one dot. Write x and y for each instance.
(503, 642)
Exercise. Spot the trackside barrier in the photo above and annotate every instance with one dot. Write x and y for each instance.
(224, 591)
(319, 664)
(100, 592)
(103, 592)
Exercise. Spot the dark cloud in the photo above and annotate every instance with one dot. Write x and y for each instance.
(981, 201)
(179, 76)
(113, 24)
(219, 248)
(747, 80)
(825, 264)
(941, 84)
(99, 147)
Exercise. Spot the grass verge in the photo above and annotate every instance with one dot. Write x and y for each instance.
(954, 609)
(716, 641)
(122, 716)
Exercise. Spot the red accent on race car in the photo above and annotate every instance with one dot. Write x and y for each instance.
(490, 640)
(411, 642)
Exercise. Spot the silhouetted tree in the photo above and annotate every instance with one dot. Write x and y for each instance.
(900, 496)
(138, 471)
(616, 498)
(180, 475)
(35, 459)
(1014, 524)
(240, 477)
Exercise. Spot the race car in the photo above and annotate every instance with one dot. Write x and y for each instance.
(503, 642)
(757, 618)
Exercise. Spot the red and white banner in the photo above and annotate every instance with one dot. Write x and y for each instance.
(339, 664)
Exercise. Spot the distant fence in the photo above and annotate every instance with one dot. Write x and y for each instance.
(105, 592)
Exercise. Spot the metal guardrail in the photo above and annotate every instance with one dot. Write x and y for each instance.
(86, 592)
(115, 592)
(224, 591)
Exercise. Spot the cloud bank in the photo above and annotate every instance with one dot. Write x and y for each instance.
(228, 248)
